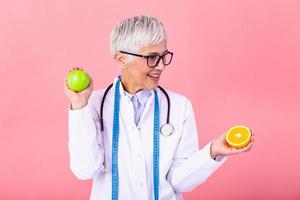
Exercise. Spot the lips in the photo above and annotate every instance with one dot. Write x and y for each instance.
(154, 77)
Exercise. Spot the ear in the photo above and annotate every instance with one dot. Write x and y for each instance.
(121, 58)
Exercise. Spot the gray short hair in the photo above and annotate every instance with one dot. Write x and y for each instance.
(136, 32)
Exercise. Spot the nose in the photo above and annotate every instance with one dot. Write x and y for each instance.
(160, 65)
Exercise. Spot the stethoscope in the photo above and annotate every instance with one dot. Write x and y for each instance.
(165, 130)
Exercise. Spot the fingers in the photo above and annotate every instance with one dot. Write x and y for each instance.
(90, 87)
(252, 134)
(222, 137)
(247, 148)
(244, 149)
(76, 68)
(237, 151)
(67, 90)
(65, 87)
(91, 82)
(252, 138)
(228, 150)
(66, 82)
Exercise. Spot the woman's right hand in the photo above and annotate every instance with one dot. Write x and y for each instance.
(78, 99)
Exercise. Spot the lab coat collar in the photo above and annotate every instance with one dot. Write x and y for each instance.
(123, 99)
(123, 92)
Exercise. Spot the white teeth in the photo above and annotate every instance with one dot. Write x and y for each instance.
(154, 75)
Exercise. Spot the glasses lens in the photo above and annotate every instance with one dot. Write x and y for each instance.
(152, 60)
(167, 58)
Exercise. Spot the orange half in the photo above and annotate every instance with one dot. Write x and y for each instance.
(238, 136)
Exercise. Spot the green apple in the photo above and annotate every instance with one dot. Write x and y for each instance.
(78, 80)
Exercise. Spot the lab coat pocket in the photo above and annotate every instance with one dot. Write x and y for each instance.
(168, 145)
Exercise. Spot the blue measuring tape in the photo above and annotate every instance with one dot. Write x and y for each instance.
(156, 147)
(115, 142)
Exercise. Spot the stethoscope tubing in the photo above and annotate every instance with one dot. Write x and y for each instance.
(110, 86)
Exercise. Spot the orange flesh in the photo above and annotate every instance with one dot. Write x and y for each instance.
(238, 136)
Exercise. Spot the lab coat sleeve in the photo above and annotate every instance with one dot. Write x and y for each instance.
(85, 140)
(191, 166)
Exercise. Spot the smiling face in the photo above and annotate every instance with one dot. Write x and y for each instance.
(136, 74)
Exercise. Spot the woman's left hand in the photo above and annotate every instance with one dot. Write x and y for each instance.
(221, 147)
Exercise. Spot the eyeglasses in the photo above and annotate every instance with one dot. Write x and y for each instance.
(153, 60)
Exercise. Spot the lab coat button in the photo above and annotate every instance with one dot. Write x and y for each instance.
(141, 184)
(105, 170)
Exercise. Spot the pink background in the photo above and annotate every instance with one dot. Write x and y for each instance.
(238, 61)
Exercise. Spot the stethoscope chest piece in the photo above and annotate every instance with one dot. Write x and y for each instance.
(166, 129)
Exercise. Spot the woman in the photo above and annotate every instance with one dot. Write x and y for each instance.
(131, 155)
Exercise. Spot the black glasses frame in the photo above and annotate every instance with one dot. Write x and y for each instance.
(148, 56)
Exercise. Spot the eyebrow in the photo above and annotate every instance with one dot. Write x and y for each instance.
(156, 53)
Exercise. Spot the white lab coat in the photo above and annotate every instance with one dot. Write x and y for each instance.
(182, 165)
